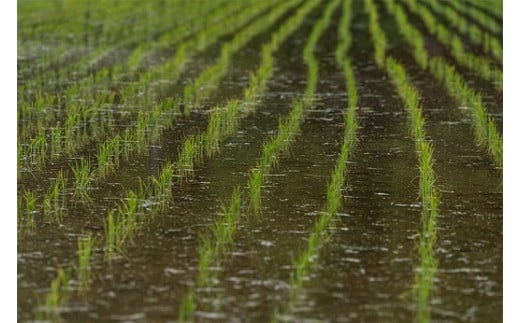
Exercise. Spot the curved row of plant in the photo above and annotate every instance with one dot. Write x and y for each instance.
(481, 17)
(85, 73)
(75, 129)
(83, 123)
(138, 30)
(122, 224)
(81, 101)
(44, 21)
(486, 133)
(488, 7)
(489, 43)
(428, 192)
(324, 226)
(215, 245)
(136, 140)
(478, 65)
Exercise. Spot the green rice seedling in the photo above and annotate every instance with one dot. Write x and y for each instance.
(83, 176)
(128, 224)
(206, 35)
(127, 143)
(70, 133)
(105, 165)
(190, 155)
(379, 38)
(207, 81)
(482, 124)
(481, 66)
(58, 295)
(37, 152)
(54, 200)
(345, 38)
(457, 88)
(141, 132)
(156, 128)
(287, 130)
(188, 307)
(225, 227)
(56, 139)
(211, 251)
(121, 225)
(108, 156)
(84, 270)
(427, 190)
(479, 16)
(207, 255)
(214, 132)
(308, 55)
(186, 160)
(319, 235)
(477, 35)
(162, 186)
(427, 176)
(412, 35)
(223, 123)
(111, 237)
(26, 210)
(494, 142)
(144, 190)
(428, 193)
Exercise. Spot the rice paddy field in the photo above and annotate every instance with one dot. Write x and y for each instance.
(259, 161)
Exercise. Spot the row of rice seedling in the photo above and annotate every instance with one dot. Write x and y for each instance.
(324, 225)
(140, 27)
(51, 205)
(411, 35)
(205, 17)
(489, 43)
(207, 34)
(288, 129)
(209, 75)
(213, 29)
(26, 209)
(73, 279)
(54, 199)
(378, 35)
(428, 192)
(209, 79)
(479, 65)
(481, 17)
(211, 251)
(148, 123)
(52, 21)
(83, 89)
(489, 7)
(57, 296)
(213, 246)
(58, 25)
(223, 123)
(486, 133)
(122, 224)
(145, 121)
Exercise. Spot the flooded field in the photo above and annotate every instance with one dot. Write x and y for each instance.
(260, 161)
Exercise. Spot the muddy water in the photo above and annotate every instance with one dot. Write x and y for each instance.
(366, 271)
